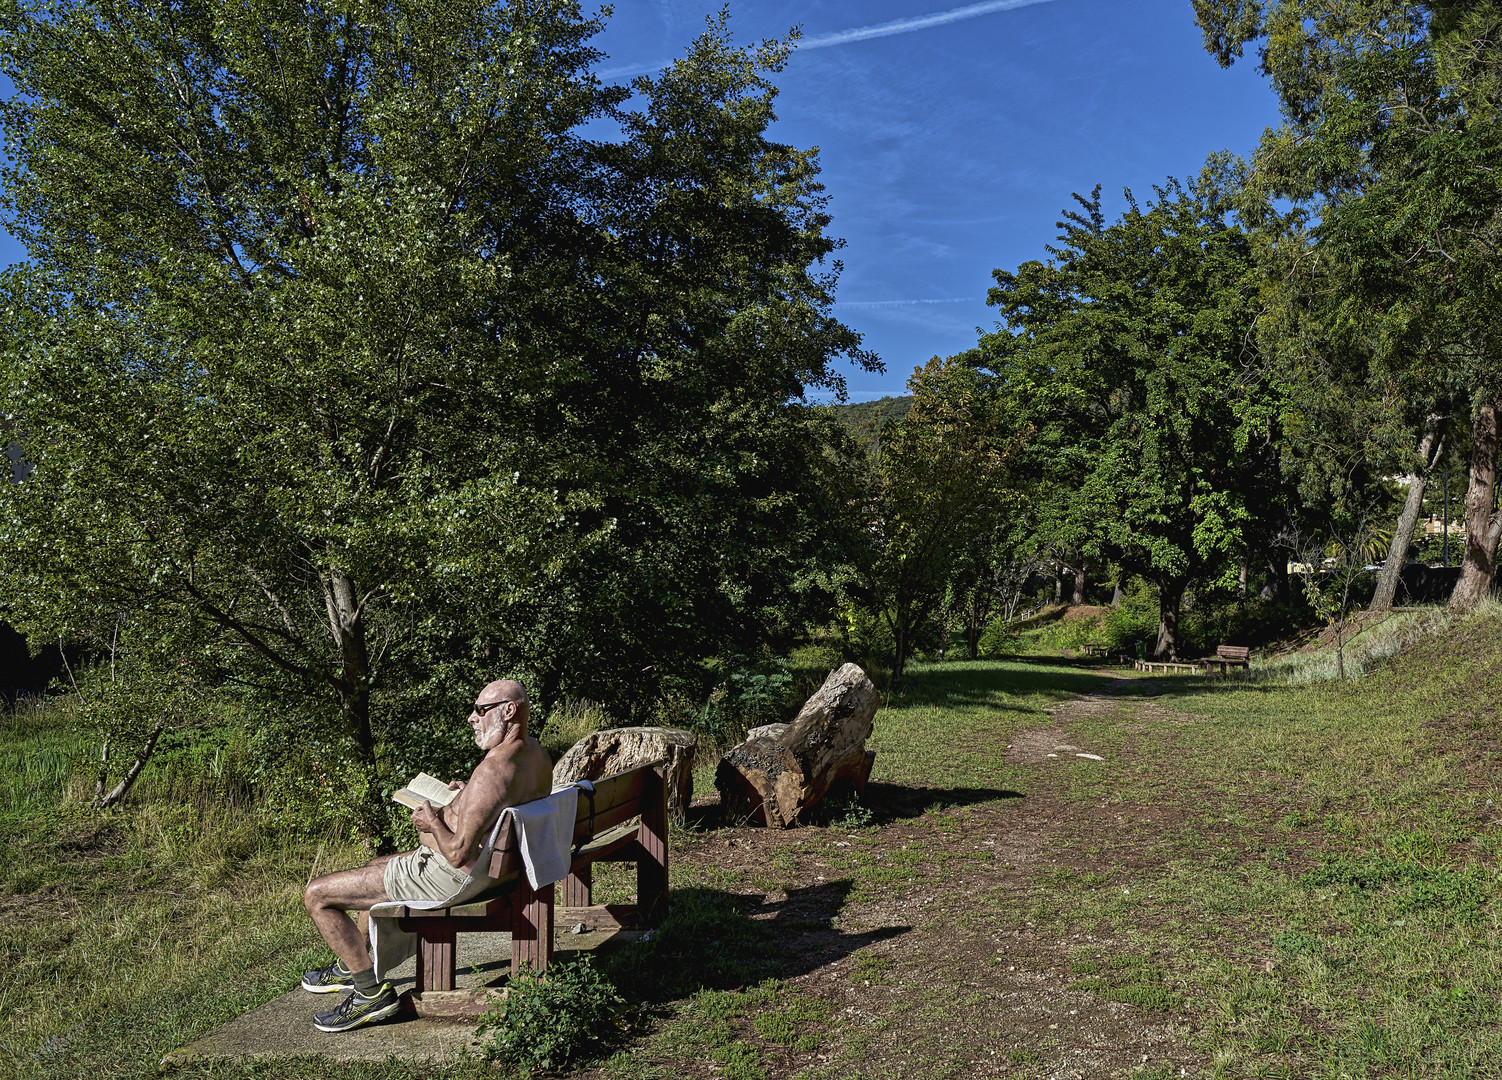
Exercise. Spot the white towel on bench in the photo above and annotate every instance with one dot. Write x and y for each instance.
(537, 833)
(545, 832)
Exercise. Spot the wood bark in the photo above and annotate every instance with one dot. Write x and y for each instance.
(103, 799)
(1431, 446)
(614, 750)
(778, 776)
(347, 623)
(1170, 599)
(1483, 525)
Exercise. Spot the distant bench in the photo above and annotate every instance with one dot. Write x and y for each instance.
(1177, 666)
(1229, 656)
(604, 831)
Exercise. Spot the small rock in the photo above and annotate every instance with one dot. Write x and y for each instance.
(1091, 757)
(578, 928)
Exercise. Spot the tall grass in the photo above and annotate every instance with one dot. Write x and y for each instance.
(1369, 644)
(41, 747)
(133, 930)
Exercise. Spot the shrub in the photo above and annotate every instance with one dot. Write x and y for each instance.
(548, 1022)
(570, 721)
(998, 639)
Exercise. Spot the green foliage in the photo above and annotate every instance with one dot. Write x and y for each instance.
(420, 383)
(1124, 353)
(845, 811)
(937, 484)
(548, 1022)
(748, 693)
(1135, 618)
(999, 638)
(568, 722)
(1067, 633)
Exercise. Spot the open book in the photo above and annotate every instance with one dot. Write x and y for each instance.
(422, 786)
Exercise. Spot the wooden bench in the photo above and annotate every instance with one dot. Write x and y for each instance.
(1168, 665)
(604, 831)
(1229, 656)
(1096, 650)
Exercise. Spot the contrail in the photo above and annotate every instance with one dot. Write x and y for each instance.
(910, 303)
(916, 22)
(865, 33)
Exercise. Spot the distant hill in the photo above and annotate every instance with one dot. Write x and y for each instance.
(865, 418)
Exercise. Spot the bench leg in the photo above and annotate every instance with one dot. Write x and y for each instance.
(652, 867)
(435, 960)
(531, 927)
(578, 887)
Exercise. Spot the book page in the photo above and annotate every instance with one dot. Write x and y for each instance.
(422, 786)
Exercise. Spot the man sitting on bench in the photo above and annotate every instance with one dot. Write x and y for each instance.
(515, 770)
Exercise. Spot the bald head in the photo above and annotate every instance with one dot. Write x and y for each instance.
(505, 714)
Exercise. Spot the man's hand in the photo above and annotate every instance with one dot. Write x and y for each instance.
(457, 785)
(425, 817)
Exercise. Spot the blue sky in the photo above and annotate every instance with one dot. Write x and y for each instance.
(952, 134)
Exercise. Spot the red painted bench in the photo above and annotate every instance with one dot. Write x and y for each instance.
(604, 831)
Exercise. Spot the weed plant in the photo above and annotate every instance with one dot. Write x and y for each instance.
(547, 1023)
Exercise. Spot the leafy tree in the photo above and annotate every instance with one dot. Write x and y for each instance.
(937, 487)
(1125, 351)
(353, 372)
(1392, 138)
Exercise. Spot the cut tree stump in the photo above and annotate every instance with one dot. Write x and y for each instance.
(615, 750)
(776, 776)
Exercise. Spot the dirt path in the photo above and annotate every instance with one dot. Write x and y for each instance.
(938, 963)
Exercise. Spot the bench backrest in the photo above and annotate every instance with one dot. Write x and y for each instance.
(617, 798)
(1234, 652)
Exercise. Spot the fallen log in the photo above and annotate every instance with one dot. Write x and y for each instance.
(776, 776)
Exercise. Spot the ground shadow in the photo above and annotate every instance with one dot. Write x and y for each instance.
(896, 801)
(887, 802)
(712, 939)
(978, 686)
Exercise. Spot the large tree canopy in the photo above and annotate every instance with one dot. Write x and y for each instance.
(1125, 351)
(353, 370)
(1393, 142)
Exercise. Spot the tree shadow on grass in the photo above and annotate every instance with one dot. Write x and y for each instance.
(716, 940)
(894, 801)
(956, 685)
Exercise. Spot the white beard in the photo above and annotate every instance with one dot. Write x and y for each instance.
(488, 733)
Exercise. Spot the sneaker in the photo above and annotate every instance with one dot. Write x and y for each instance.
(358, 1009)
(329, 980)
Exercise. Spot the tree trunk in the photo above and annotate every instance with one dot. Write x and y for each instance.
(1170, 597)
(347, 622)
(899, 652)
(1483, 525)
(1277, 580)
(1116, 595)
(1430, 447)
(972, 629)
(1058, 584)
(1079, 582)
(103, 799)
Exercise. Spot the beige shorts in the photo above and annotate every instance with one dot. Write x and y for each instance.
(423, 874)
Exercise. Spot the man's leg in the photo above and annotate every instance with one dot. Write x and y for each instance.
(329, 897)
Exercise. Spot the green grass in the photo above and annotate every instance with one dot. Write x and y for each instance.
(1300, 881)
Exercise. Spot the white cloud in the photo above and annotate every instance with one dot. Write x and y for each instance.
(857, 33)
(913, 23)
(908, 303)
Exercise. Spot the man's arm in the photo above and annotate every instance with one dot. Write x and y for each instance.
(458, 830)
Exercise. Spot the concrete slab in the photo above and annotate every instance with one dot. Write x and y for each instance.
(284, 1027)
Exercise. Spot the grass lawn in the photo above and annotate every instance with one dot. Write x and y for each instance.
(1241, 879)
